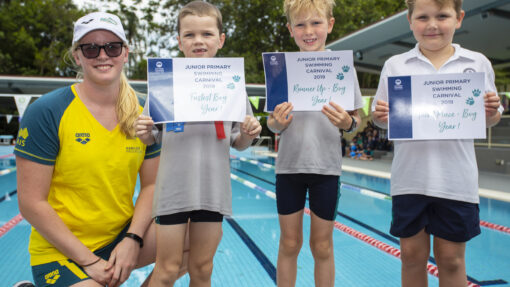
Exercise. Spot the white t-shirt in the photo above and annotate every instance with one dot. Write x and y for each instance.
(194, 168)
(437, 168)
(312, 144)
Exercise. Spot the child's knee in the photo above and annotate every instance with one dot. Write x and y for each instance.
(449, 262)
(321, 248)
(291, 246)
(168, 271)
(202, 269)
(413, 256)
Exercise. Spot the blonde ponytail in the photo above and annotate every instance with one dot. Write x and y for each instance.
(127, 107)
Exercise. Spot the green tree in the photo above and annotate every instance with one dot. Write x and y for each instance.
(35, 36)
(257, 26)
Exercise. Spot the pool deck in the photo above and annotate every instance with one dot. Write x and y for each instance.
(491, 185)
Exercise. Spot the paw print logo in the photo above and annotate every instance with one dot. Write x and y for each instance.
(236, 78)
(476, 93)
(470, 101)
(340, 76)
(346, 69)
(231, 86)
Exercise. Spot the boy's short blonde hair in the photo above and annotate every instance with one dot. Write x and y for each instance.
(293, 8)
(200, 8)
(456, 4)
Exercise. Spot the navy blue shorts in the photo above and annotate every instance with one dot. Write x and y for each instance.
(453, 220)
(193, 216)
(323, 193)
(66, 272)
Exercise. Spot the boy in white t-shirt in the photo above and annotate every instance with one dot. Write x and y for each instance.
(193, 182)
(434, 183)
(310, 155)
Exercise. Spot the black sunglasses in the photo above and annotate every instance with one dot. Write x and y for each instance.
(91, 51)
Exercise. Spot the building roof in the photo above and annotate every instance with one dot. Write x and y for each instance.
(485, 29)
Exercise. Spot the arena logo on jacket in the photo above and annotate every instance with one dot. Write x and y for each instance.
(82, 138)
(52, 277)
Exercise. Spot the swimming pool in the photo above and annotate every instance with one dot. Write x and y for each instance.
(364, 249)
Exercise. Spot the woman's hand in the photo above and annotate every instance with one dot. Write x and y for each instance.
(122, 261)
(98, 272)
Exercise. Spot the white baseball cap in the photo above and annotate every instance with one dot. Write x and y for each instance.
(98, 21)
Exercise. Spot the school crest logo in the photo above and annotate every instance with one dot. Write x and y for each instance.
(273, 61)
(398, 85)
(159, 67)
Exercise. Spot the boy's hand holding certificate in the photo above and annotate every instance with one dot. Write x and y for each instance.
(309, 80)
(442, 106)
(196, 89)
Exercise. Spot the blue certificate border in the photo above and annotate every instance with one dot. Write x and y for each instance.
(275, 70)
(400, 104)
(160, 76)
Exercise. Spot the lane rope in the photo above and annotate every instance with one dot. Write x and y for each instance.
(495, 226)
(375, 194)
(431, 268)
(6, 155)
(10, 224)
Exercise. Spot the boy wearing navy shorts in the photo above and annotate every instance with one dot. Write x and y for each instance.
(441, 199)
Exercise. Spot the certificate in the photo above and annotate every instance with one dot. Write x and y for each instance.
(440, 106)
(309, 80)
(196, 89)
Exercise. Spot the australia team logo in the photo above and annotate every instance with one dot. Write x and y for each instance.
(82, 138)
(22, 137)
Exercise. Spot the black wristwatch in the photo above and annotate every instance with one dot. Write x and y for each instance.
(353, 126)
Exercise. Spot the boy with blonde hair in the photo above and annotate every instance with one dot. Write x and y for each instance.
(193, 182)
(310, 155)
(442, 198)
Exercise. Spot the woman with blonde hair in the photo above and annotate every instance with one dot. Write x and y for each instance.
(77, 164)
